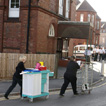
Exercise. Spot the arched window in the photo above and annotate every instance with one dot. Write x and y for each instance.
(51, 31)
(14, 8)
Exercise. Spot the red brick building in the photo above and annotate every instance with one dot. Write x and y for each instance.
(43, 24)
(86, 13)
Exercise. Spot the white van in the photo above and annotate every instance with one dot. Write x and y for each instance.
(80, 49)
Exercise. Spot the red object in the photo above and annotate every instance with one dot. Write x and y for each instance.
(42, 68)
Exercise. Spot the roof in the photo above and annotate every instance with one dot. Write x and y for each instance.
(69, 29)
(77, 2)
(97, 17)
(85, 6)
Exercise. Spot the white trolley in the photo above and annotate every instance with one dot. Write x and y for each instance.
(35, 84)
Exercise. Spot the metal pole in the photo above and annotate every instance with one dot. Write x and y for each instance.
(86, 73)
(28, 26)
(86, 66)
(86, 51)
(102, 68)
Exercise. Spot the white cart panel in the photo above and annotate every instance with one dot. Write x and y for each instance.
(31, 84)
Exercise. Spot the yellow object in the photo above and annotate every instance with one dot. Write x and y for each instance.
(42, 63)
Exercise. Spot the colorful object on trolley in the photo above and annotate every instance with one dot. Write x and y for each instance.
(40, 66)
(42, 63)
(31, 70)
(37, 66)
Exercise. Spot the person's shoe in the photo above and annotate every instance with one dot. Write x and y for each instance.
(76, 94)
(6, 97)
(61, 95)
(25, 97)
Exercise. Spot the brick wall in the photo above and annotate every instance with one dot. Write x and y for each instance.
(1, 29)
(76, 41)
(73, 10)
(14, 32)
(44, 4)
(1, 2)
(11, 38)
(45, 43)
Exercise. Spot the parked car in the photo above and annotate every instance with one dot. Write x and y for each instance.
(80, 49)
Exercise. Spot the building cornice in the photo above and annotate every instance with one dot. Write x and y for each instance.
(45, 11)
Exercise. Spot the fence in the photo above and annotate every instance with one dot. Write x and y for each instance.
(9, 61)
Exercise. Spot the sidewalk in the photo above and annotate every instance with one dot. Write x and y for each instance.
(54, 84)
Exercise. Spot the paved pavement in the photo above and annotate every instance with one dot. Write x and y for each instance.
(54, 84)
(96, 98)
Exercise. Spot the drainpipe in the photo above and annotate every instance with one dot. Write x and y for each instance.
(28, 26)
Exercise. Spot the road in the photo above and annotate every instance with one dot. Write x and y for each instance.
(96, 98)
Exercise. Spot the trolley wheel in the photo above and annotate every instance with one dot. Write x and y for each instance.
(31, 99)
(22, 98)
(82, 92)
(47, 96)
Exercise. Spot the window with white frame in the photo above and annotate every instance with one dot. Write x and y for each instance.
(97, 24)
(81, 17)
(67, 8)
(14, 8)
(51, 31)
(89, 17)
(103, 40)
(61, 3)
(92, 21)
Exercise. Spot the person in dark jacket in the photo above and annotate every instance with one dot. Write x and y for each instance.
(70, 76)
(17, 78)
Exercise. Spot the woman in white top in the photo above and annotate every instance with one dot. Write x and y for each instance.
(96, 53)
(101, 53)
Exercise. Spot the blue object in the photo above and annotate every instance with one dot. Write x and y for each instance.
(31, 70)
(44, 79)
(51, 74)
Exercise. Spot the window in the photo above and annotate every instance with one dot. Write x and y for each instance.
(14, 8)
(51, 31)
(81, 17)
(82, 48)
(92, 21)
(76, 48)
(103, 40)
(67, 8)
(97, 24)
(65, 45)
(89, 17)
(61, 3)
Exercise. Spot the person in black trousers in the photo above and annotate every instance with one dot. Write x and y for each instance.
(70, 76)
(17, 78)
